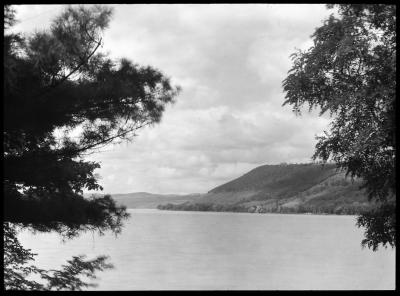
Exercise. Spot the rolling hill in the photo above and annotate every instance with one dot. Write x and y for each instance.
(144, 200)
(285, 188)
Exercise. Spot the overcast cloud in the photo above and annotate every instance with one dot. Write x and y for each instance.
(230, 61)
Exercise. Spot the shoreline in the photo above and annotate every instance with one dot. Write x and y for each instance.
(232, 212)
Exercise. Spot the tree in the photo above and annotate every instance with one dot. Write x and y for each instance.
(63, 99)
(350, 71)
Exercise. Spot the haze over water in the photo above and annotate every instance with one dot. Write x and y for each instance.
(164, 250)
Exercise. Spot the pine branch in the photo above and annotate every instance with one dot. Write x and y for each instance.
(83, 61)
(105, 141)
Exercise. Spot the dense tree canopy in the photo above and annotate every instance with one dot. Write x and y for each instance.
(350, 71)
(63, 99)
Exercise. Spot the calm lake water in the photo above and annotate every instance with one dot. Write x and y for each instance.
(164, 250)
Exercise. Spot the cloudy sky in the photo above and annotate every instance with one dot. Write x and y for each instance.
(230, 61)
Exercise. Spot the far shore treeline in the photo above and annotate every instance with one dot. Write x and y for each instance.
(301, 209)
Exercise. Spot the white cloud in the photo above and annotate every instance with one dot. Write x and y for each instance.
(230, 61)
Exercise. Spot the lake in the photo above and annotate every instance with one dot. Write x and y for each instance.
(164, 250)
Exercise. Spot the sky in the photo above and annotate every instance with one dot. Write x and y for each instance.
(230, 61)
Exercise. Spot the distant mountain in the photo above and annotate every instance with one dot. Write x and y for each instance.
(144, 200)
(287, 188)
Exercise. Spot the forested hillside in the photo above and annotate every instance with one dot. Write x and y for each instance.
(285, 188)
